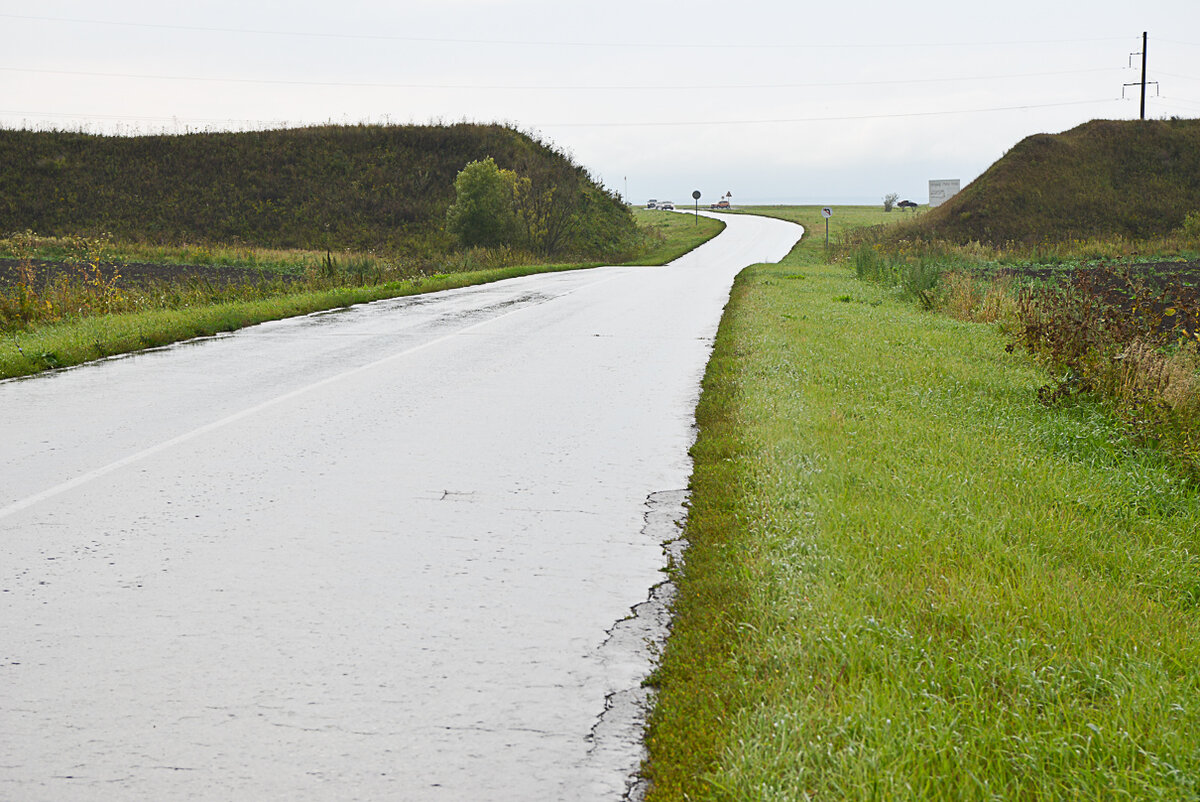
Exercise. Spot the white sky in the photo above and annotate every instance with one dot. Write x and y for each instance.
(772, 100)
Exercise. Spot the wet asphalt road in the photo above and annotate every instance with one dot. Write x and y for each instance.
(366, 554)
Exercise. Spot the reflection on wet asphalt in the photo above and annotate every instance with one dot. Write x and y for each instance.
(372, 553)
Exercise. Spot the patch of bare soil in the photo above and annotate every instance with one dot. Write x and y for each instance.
(1155, 274)
(1162, 297)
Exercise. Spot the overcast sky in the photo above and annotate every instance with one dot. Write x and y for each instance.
(772, 100)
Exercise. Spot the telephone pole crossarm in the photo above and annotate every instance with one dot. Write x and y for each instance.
(1142, 83)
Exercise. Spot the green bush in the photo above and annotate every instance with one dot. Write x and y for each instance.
(550, 209)
(482, 214)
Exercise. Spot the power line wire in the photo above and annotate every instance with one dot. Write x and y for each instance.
(849, 118)
(550, 87)
(658, 124)
(1177, 101)
(141, 118)
(550, 43)
(1175, 75)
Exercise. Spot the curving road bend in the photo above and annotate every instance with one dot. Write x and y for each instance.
(364, 554)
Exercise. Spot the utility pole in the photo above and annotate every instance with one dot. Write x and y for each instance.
(1144, 75)
(1142, 83)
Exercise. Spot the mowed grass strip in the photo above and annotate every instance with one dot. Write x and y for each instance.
(907, 579)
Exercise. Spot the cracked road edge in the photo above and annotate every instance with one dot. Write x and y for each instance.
(631, 651)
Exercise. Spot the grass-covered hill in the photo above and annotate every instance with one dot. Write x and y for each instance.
(1103, 179)
(361, 187)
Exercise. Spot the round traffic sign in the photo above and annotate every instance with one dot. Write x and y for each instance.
(826, 212)
(696, 195)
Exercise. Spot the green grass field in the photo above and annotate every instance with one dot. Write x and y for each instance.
(845, 218)
(908, 579)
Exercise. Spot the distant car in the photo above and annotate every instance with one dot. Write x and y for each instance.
(907, 204)
(667, 205)
(720, 205)
(652, 204)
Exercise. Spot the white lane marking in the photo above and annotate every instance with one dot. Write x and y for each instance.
(92, 475)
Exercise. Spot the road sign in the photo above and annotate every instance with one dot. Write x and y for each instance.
(696, 195)
(696, 198)
(826, 212)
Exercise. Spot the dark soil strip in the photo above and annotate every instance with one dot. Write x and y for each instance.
(145, 274)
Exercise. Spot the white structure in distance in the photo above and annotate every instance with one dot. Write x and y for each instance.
(941, 190)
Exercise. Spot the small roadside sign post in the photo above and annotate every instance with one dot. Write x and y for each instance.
(696, 198)
(827, 213)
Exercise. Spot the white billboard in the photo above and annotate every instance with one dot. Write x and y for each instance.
(941, 190)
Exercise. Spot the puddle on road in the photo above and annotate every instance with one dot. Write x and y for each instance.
(498, 308)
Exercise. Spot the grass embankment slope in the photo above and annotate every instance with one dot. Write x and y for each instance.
(907, 579)
(1103, 179)
(360, 187)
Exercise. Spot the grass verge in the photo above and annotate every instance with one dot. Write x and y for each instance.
(75, 341)
(908, 579)
(675, 234)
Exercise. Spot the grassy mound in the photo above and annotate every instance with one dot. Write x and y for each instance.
(330, 187)
(1103, 179)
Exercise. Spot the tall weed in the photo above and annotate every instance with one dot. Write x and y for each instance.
(916, 275)
(967, 296)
